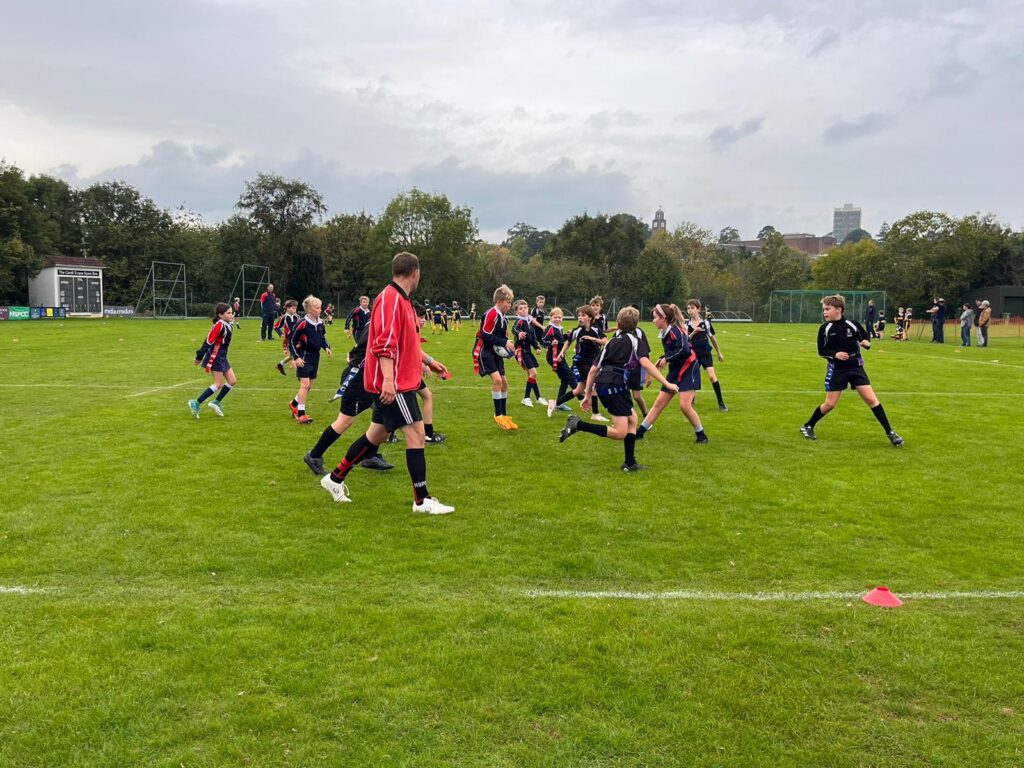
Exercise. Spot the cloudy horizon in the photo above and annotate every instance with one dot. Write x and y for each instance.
(721, 113)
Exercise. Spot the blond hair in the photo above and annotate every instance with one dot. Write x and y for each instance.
(309, 301)
(627, 319)
(503, 293)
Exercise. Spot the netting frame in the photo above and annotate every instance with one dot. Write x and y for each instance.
(162, 284)
(781, 304)
(242, 278)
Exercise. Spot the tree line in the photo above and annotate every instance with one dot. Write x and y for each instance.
(284, 224)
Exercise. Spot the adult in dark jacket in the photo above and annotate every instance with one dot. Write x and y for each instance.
(268, 309)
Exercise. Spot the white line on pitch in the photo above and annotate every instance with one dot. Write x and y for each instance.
(762, 597)
(161, 389)
(21, 590)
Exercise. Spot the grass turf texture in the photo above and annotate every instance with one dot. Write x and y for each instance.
(203, 602)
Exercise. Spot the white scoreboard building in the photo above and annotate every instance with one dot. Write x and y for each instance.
(71, 282)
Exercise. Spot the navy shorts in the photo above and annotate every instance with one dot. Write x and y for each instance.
(402, 412)
(687, 380)
(704, 357)
(308, 370)
(564, 373)
(220, 365)
(838, 379)
(527, 358)
(617, 400)
(490, 362)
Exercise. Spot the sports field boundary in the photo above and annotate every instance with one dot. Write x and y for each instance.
(759, 597)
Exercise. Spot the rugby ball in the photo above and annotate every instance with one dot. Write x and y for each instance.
(501, 351)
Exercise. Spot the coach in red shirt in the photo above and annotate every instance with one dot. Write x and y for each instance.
(392, 372)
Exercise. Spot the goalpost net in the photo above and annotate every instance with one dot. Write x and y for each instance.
(804, 306)
(165, 291)
(249, 285)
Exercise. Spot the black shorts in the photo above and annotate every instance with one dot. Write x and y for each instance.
(616, 400)
(687, 379)
(704, 358)
(354, 399)
(637, 379)
(838, 379)
(527, 358)
(491, 362)
(403, 412)
(581, 369)
(564, 373)
(307, 370)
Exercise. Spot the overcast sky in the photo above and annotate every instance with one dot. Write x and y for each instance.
(723, 112)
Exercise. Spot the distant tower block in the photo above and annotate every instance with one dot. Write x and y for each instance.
(659, 224)
(844, 221)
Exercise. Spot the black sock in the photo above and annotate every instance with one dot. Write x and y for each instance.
(879, 412)
(497, 406)
(327, 439)
(641, 430)
(630, 442)
(600, 430)
(718, 392)
(595, 406)
(503, 404)
(536, 389)
(359, 450)
(815, 417)
(206, 393)
(416, 461)
(529, 389)
(429, 429)
(565, 398)
(224, 392)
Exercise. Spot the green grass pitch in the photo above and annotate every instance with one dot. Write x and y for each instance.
(180, 592)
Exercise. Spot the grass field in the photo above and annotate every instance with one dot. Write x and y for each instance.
(179, 592)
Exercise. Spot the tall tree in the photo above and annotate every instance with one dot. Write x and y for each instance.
(284, 211)
(23, 236)
(766, 230)
(855, 236)
(435, 230)
(728, 235)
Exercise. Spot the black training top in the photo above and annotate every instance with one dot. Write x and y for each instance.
(843, 335)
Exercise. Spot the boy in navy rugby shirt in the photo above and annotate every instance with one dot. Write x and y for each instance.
(525, 341)
(489, 353)
(587, 340)
(608, 378)
(305, 343)
(839, 342)
(554, 343)
(286, 324)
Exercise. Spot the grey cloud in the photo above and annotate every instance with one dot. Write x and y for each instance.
(725, 136)
(197, 177)
(843, 131)
(952, 77)
(825, 40)
(602, 121)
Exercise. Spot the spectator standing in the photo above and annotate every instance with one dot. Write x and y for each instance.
(966, 321)
(977, 318)
(870, 318)
(983, 321)
(268, 311)
(938, 313)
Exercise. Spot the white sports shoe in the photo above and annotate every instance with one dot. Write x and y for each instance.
(551, 408)
(541, 401)
(431, 506)
(527, 402)
(599, 417)
(214, 406)
(338, 491)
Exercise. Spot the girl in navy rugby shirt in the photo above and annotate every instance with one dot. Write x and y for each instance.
(213, 356)
(683, 370)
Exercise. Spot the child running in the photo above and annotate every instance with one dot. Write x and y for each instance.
(236, 312)
(608, 378)
(213, 355)
(305, 343)
(525, 341)
(358, 318)
(587, 341)
(554, 342)
(840, 341)
(489, 353)
(701, 334)
(286, 326)
(683, 371)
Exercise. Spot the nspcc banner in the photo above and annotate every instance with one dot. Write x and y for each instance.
(19, 313)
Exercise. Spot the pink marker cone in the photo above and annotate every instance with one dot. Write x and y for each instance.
(882, 597)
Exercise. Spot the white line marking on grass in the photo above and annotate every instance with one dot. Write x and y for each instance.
(161, 389)
(21, 590)
(762, 597)
(968, 360)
